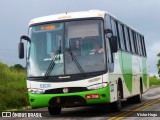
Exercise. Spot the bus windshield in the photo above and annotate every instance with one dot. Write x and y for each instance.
(82, 39)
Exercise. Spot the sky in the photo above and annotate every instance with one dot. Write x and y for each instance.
(143, 15)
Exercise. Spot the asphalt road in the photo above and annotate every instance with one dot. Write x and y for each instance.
(147, 110)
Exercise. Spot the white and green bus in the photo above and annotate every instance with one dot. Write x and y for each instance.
(83, 58)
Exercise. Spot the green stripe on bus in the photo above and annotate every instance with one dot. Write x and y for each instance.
(126, 68)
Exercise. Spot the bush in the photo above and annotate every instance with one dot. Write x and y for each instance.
(13, 91)
(17, 67)
(154, 81)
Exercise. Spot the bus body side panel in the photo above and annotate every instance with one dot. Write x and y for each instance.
(132, 67)
(136, 74)
(129, 68)
(125, 60)
(117, 74)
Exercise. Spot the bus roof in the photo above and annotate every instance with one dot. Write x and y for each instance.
(75, 15)
(66, 16)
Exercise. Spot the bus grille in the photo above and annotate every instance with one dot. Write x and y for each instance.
(67, 101)
(70, 90)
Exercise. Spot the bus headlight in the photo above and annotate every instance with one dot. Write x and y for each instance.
(36, 91)
(97, 86)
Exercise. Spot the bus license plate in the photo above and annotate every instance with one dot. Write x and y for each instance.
(92, 96)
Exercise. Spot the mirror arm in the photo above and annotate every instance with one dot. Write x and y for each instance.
(25, 38)
(108, 31)
(108, 37)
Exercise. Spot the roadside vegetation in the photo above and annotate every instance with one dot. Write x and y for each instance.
(158, 64)
(13, 92)
(154, 81)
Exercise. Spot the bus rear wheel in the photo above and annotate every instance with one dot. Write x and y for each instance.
(138, 98)
(54, 110)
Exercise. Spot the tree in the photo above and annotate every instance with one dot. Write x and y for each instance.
(158, 64)
(18, 67)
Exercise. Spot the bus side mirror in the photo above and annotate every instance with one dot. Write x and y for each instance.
(114, 43)
(21, 46)
(21, 50)
(112, 39)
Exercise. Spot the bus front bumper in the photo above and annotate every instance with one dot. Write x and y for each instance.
(91, 97)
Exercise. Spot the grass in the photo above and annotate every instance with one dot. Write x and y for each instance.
(154, 81)
(13, 91)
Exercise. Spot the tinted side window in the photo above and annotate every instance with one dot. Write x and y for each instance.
(127, 39)
(120, 29)
(132, 42)
(120, 46)
(108, 22)
(135, 42)
(139, 43)
(138, 48)
(144, 46)
(115, 30)
(124, 37)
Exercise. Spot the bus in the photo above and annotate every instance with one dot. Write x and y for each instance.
(83, 58)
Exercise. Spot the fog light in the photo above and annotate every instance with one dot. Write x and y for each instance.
(32, 100)
(36, 91)
(103, 95)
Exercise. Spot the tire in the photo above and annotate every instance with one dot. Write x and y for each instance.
(117, 106)
(130, 100)
(54, 110)
(137, 98)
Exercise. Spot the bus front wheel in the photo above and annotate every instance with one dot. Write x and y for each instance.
(116, 106)
(54, 110)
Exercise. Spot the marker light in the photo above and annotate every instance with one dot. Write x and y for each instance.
(97, 86)
(36, 91)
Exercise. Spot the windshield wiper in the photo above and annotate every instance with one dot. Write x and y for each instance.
(52, 64)
(75, 60)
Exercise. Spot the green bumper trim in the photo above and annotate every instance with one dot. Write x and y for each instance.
(42, 100)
